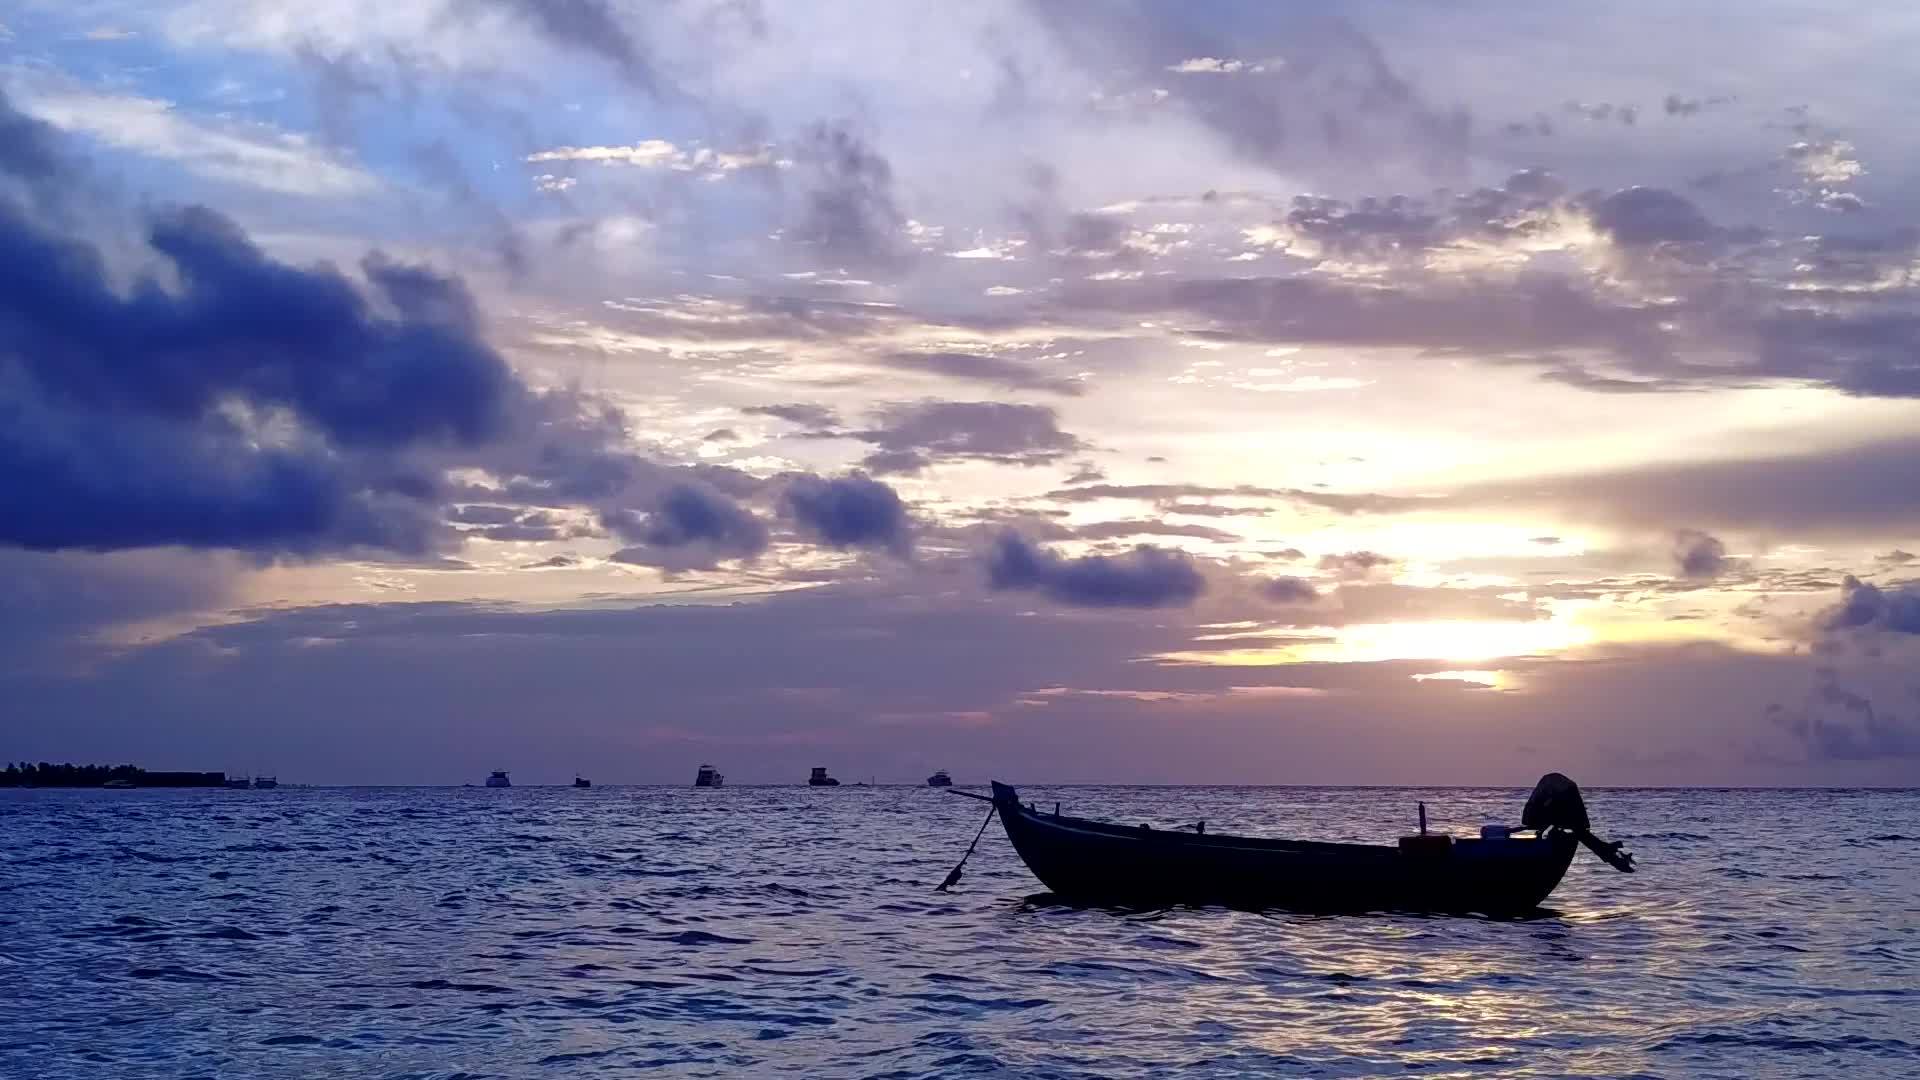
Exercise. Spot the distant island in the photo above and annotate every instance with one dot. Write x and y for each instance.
(45, 774)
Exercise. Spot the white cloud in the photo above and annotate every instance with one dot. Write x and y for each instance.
(255, 155)
(1207, 65)
(661, 154)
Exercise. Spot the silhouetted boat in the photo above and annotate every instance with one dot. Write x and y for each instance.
(708, 776)
(265, 783)
(582, 782)
(118, 784)
(940, 779)
(238, 783)
(819, 778)
(1497, 874)
(498, 778)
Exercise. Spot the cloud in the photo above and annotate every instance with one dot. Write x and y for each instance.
(1168, 497)
(1323, 96)
(1289, 590)
(589, 26)
(1865, 606)
(1380, 602)
(1829, 492)
(1643, 216)
(661, 154)
(1698, 555)
(30, 150)
(848, 212)
(252, 155)
(911, 437)
(850, 511)
(810, 416)
(1146, 577)
(244, 325)
(1113, 530)
(687, 527)
(54, 603)
(985, 368)
(248, 404)
(1354, 564)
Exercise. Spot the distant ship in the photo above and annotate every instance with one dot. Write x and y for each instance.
(708, 776)
(499, 779)
(581, 781)
(265, 783)
(118, 783)
(821, 779)
(940, 779)
(238, 783)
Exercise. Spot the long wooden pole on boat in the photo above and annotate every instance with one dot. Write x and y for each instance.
(954, 874)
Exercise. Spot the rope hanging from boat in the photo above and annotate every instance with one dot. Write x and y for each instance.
(954, 874)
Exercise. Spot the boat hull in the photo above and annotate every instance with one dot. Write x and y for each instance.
(1097, 863)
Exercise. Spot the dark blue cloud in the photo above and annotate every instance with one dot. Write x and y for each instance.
(224, 398)
(850, 511)
(243, 326)
(1146, 577)
(1698, 555)
(911, 437)
(688, 516)
(1642, 216)
(29, 149)
(1865, 606)
(1289, 590)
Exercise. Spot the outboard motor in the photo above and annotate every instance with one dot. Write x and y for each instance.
(1556, 804)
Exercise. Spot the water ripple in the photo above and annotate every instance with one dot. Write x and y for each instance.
(469, 933)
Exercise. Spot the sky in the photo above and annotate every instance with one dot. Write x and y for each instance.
(1075, 391)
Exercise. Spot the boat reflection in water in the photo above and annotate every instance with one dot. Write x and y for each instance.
(708, 776)
(1497, 873)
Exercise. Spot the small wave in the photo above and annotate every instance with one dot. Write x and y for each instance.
(701, 937)
(175, 974)
(150, 857)
(465, 988)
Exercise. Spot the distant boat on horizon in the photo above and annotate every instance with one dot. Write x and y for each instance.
(265, 783)
(940, 779)
(238, 783)
(118, 783)
(708, 776)
(499, 779)
(581, 781)
(819, 778)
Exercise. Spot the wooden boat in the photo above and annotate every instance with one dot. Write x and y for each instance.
(1134, 865)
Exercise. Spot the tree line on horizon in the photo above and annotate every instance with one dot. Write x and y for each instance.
(67, 774)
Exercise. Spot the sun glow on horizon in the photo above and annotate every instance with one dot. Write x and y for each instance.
(1453, 640)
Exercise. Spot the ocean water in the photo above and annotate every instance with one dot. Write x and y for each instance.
(795, 932)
